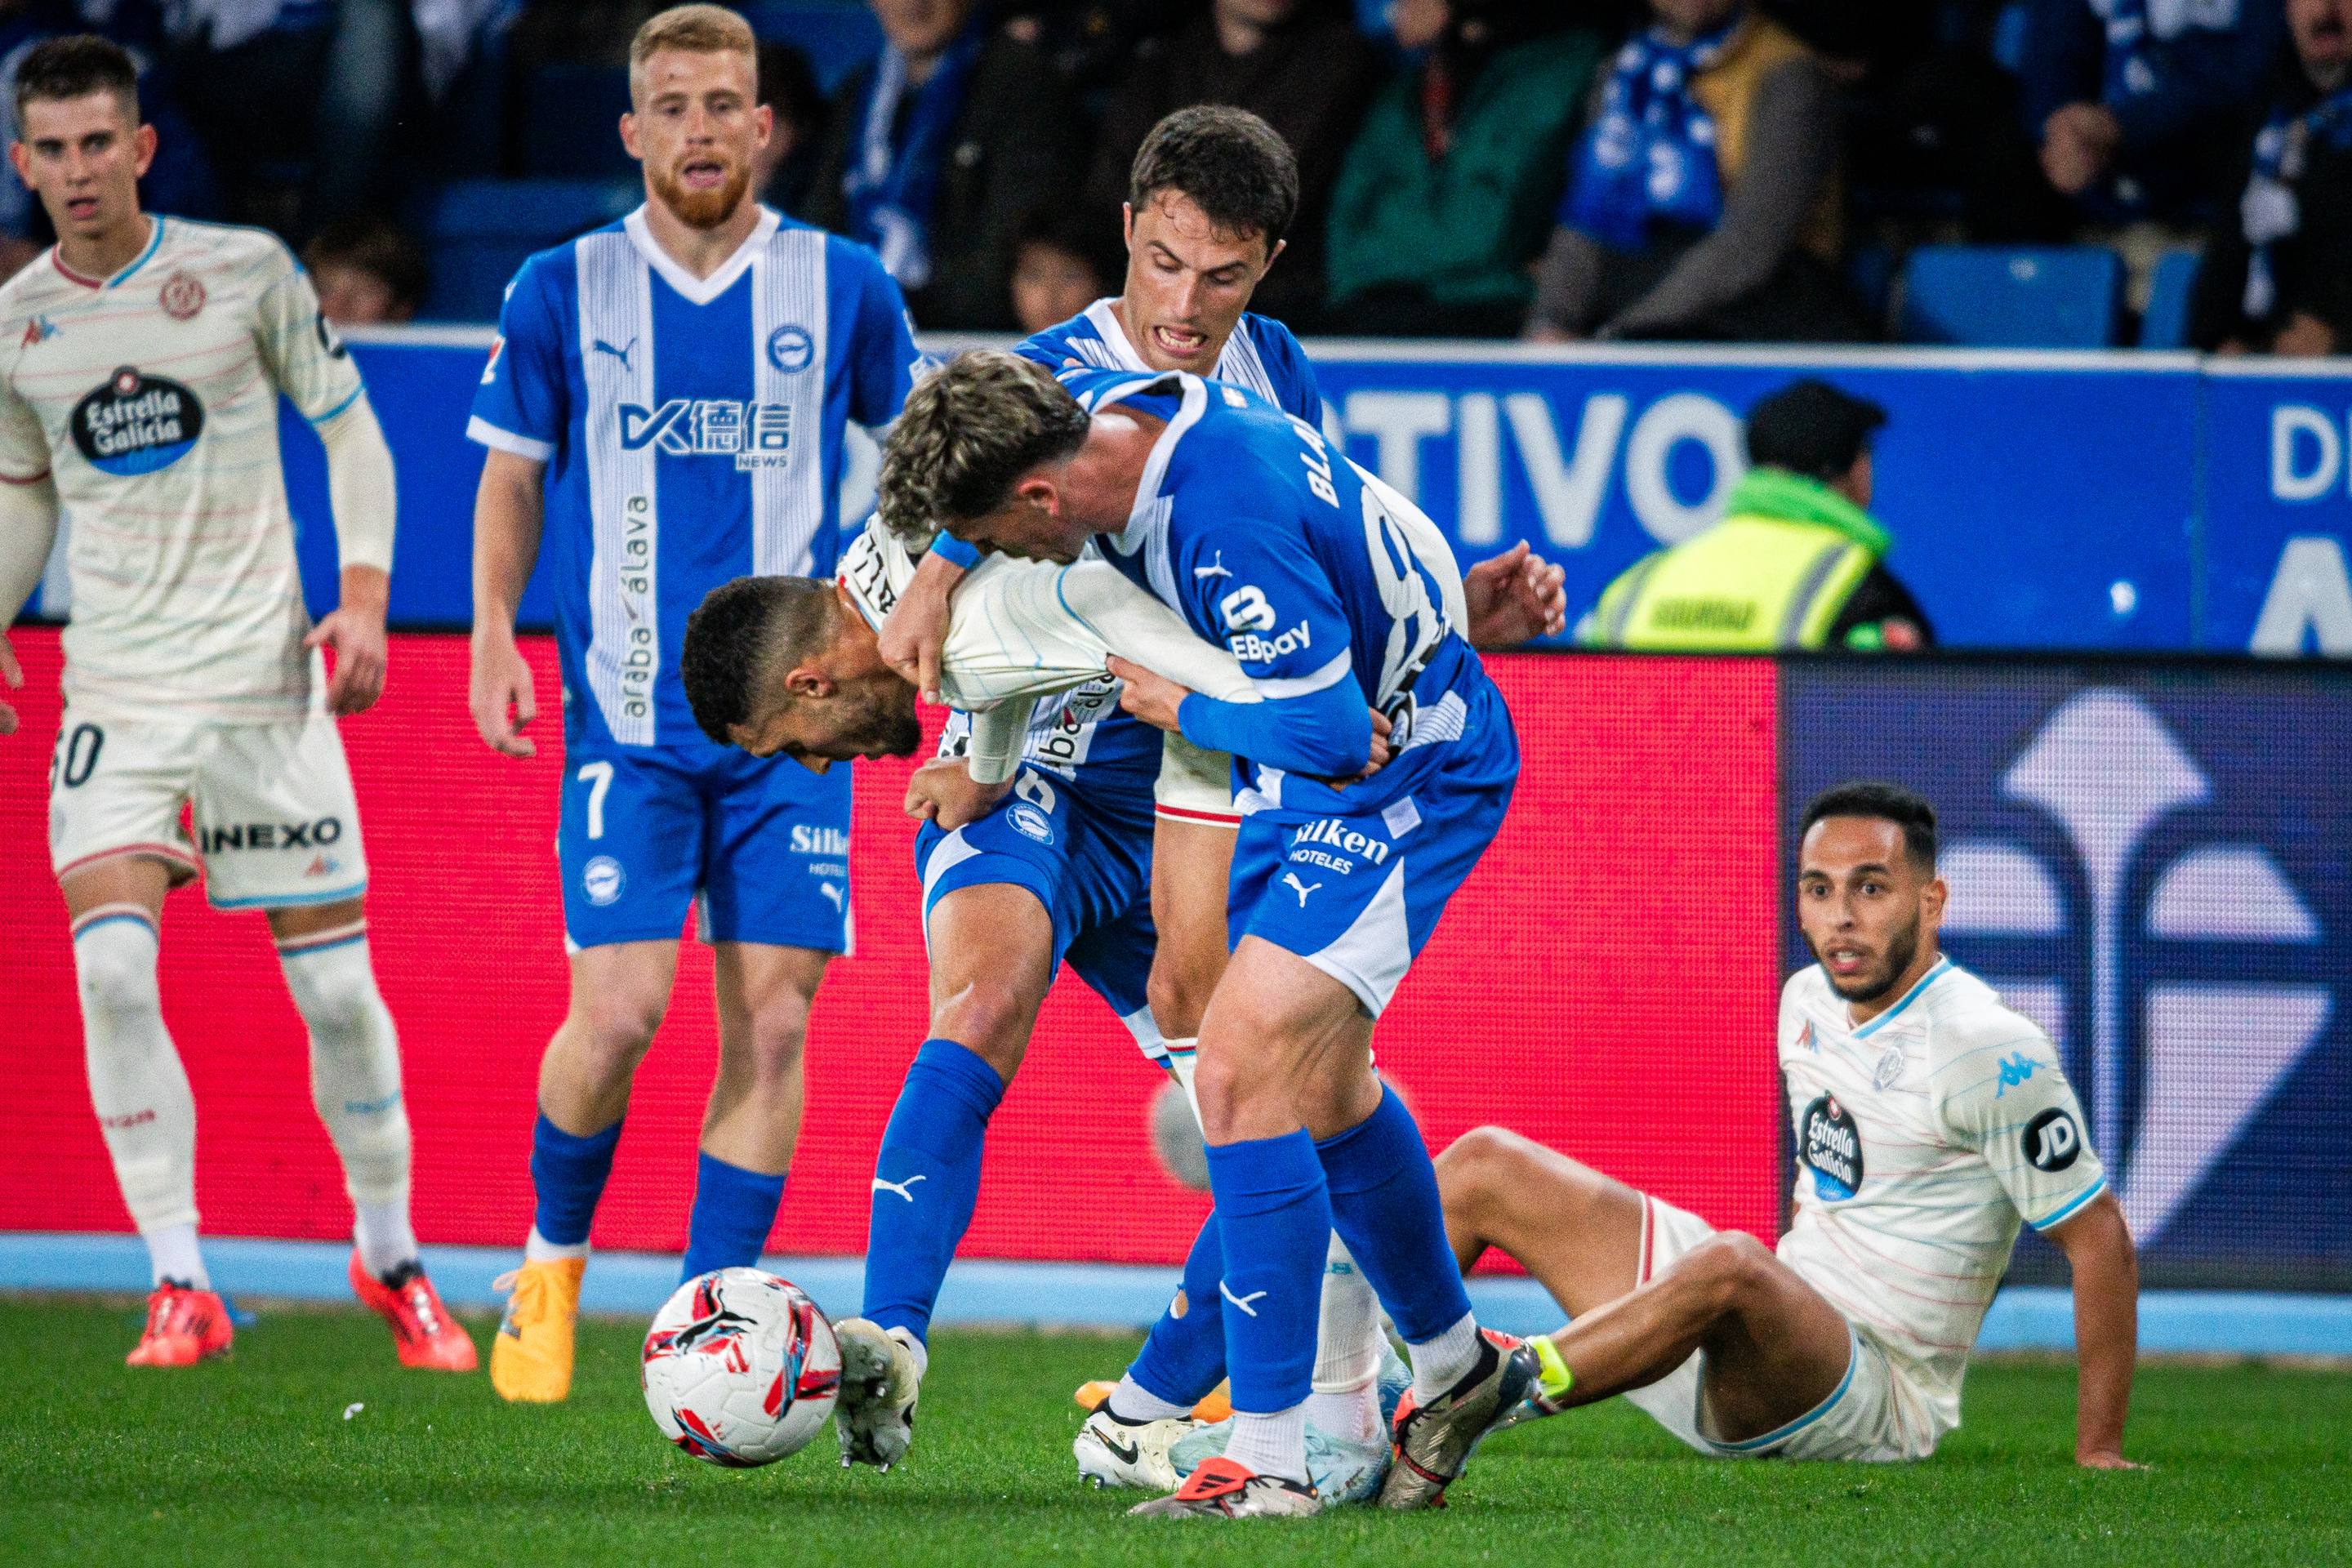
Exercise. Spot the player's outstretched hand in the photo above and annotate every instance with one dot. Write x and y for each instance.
(1513, 597)
(500, 693)
(944, 791)
(354, 635)
(13, 674)
(916, 629)
(1154, 699)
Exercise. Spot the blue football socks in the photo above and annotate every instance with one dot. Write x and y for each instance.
(1384, 1203)
(568, 1172)
(1275, 1217)
(926, 1181)
(733, 1211)
(1184, 1358)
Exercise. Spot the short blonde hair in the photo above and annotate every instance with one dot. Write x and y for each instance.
(693, 30)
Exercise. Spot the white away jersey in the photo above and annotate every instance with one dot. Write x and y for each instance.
(152, 396)
(1020, 630)
(1923, 1139)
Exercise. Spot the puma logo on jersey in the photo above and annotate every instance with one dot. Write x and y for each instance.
(1290, 880)
(1241, 1301)
(833, 894)
(898, 1187)
(621, 353)
(1216, 568)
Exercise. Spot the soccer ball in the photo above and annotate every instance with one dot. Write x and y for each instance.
(741, 1368)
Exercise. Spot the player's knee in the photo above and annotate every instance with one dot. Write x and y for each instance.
(1726, 1270)
(1177, 998)
(1477, 1165)
(613, 1029)
(990, 1017)
(116, 979)
(778, 1037)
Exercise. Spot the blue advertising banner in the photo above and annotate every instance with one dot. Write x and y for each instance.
(2277, 508)
(2150, 864)
(2046, 500)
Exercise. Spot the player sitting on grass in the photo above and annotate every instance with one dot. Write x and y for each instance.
(1930, 1122)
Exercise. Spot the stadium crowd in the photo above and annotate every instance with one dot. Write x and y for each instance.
(1718, 170)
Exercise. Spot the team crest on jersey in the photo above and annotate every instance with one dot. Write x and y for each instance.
(136, 424)
(791, 348)
(1890, 1067)
(1830, 1144)
(182, 297)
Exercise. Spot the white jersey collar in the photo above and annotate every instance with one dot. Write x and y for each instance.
(1943, 966)
(700, 290)
(1104, 314)
(147, 253)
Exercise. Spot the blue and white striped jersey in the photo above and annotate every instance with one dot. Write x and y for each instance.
(692, 433)
(1261, 355)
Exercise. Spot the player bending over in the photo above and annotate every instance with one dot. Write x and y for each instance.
(1930, 1121)
(1339, 599)
(141, 365)
(670, 393)
(1212, 192)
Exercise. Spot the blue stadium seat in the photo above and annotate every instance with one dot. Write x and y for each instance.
(837, 36)
(571, 122)
(480, 231)
(2165, 323)
(1991, 297)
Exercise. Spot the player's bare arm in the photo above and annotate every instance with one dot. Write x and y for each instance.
(2105, 1266)
(28, 527)
(507, 516)
(916, 629)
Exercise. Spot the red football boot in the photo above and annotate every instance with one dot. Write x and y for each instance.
(184, 1326)
(426, 1335)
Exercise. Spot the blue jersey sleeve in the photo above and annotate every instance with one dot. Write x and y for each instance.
(520, 405)
(1254, 587)
(882, 352)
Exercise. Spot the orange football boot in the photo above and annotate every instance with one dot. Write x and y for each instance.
(184, 1326)
(422, 1328)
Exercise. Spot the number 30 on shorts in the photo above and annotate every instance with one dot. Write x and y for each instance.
(75, 757)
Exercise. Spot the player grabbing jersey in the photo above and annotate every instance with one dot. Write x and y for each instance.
(141, 365)
(671, 394)
(1930, 1123)
(1380, 762)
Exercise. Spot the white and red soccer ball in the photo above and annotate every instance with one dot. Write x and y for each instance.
(741, 1368)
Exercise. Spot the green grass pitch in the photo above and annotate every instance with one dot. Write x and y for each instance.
(251, 1460)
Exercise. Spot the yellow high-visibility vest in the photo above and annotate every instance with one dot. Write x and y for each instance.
(1749, 584)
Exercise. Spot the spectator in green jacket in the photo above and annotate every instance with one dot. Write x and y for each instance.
(1447, 193)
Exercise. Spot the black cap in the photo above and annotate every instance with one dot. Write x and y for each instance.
(1810, 427)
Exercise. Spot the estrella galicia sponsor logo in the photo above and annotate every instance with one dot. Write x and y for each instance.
(756, 435)
(136, 424)
(1831, 1146)
(1330, 843)
(833, 841)
(789, 348)
(602, 880)
(2053, 1140)
(1031, 822)
(237, 836)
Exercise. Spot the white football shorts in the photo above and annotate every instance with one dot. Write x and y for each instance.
(1874, 1415)
(1194, 785)
(277, 823)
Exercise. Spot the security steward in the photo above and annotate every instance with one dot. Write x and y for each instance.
(1797, 561)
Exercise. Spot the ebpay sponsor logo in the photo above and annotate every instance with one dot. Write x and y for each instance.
(2200, 958)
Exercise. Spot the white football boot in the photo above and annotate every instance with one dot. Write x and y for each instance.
(879, 1385)
(1115, 1453)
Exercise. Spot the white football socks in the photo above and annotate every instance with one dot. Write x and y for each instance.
(355, 1083)
(537, 1248)
(1272, 1445)
(1439, 1363)
(1132, 1402)
(137, 1085)
(1346, 1402)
